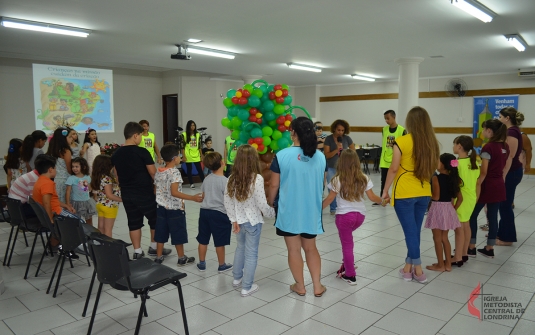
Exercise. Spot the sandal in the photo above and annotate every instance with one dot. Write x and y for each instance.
(294, 291)
(320, 294)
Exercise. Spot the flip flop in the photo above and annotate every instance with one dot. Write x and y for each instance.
(294, 291)
(324, 290)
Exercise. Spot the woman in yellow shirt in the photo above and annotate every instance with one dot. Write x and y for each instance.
(415, 159)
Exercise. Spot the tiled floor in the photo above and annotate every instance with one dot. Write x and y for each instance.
(381, 303)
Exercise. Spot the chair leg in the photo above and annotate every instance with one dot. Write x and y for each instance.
(42, 257)
(13, 246)
(182, 307)
(25, 239)
(30, 258)
(89, 293)
(86, 255)
(49, 236)
(43, 241)
(59, 276)
(54, 273)
(140, 315)
(94, 309)
(8, 244)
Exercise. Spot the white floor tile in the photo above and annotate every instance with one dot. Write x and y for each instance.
(200, 320)
(404, 322)
(249, 321)
(289, 311)
(465, 325)
(233, 305)
(523, 327)
(337, 316)
(12, 307)
(432, 306)
(312, 327)
(395, 286)
(103, 324)
(47, 318)
(375, 301)
(513, 281)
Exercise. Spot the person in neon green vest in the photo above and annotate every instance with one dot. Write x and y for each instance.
(229, 161)
(148, 141)
(390, 132)
(191, 154)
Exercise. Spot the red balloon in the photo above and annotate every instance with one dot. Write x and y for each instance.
(272, 95)
(279, 100)
(246, 93)
(250, 141)
(242, 101)
(284, 92)
(259, 121)
(289, 117)
(259, 140)
(281, 119)
(239, 90)
(282, 128)
(235, 100)
(253, 111)
(252, 118)
(261, 147)
(277, 87)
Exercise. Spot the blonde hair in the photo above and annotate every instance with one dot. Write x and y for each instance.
(352, 181)
(246, 166)
(425, 151)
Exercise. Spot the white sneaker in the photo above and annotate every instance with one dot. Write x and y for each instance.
(250, 291)
(236, 283)
(192, 186)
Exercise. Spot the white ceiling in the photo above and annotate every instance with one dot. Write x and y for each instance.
(342, 36)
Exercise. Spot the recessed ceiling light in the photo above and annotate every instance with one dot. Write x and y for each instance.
(43, 27)
(210, 52)
(475, 9)
(359, 77)
(517, 41)
(304, 67)
(193, 40)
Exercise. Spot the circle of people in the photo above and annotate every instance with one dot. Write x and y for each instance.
(451, 189)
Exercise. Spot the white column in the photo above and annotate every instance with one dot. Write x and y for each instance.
(408, 85)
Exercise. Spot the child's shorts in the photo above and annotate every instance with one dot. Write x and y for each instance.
(171, 222)
(215, 223)
(107, 212)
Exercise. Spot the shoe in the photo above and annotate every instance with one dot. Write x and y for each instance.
(224, 267)
(421, 278)
(152, 252)
(407, 276)
(465, 259)
(201, 266)
(471, 252)
(236, 282)
(192, 186)
(341, 271)
(458, 263)
(349, 280)
(375, 204)
(72, 255)
(486, 253)
(139, 255)
(484, 227)
(185, 260)
(158, 260)
(250, 291)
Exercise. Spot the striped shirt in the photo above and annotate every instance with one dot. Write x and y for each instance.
(22, 187)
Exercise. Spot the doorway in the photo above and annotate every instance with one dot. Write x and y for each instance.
(170, 117)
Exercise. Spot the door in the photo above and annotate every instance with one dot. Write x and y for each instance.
(170, 117)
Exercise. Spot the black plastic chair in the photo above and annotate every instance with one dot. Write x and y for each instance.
(375, 155)
(42, 215)
(140, 277)
(28, 224)
(7, 218)
(365, 158)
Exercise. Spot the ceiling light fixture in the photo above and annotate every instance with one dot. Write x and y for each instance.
(359, 77)
(303, 67)
(43, 27)
(193, 40)
(475, 9)
(210, 52)
(517, 41)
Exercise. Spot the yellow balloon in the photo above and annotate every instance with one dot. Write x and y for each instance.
(287, 123)
(238, 94)
(258, 115)
(278, 93)
(254, 145)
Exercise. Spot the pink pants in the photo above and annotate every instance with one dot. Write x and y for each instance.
(346, 224)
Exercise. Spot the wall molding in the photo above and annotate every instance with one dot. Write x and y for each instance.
(438, 130)
(434, 94)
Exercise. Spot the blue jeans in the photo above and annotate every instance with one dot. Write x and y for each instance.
(246, 254)
(492, 217)
(411, 213)
(330, 174)
(507, 229)
(206, 171)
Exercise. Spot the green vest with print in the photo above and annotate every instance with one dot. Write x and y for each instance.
(387, 151)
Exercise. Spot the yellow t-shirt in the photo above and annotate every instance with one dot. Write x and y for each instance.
(406, 185)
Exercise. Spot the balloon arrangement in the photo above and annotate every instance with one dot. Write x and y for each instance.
(260, 116)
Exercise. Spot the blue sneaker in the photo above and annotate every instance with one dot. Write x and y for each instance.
(224, 267)
(201, 266)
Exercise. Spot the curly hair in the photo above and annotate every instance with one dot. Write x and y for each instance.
(102, 166)
(84, 167)
(342, 123)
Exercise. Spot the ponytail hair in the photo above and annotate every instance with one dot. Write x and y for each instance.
(27, 148)
(499, 130)
(516, 117)
(467, 143)
(304, 129)
(450, 164)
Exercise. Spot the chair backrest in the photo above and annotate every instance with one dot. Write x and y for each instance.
(13, 207)
(360, 153)
(42, 215)
(5, 213)
(110, 258)
(374, 153)
(70, 231)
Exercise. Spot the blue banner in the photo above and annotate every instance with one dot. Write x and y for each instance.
(486, 108)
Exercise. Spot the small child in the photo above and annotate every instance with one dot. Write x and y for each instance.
(205, 150)
(245, 202)
(442, 216)
(91, 147)
(74, 144)
(348, 187)
(318, 127)
(213, 219)
(14, 166)
(77, 194)
(171, 216)
(60, 147)
(108, 193)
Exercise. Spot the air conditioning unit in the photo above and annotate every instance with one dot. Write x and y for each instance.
(526, 73)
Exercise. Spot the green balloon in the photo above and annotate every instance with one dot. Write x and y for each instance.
(225, 122)
(287, 100)
(228, 102)
(287, 135)
(293, 116)
(282, 143)
(273, 123)
(274, 145)
(235, 134)
(267, 131)
(285, 87)
(231, 93)
(244, 136)
(279, 109)
(238, 143)
(270, 116)
(263, 88)
(263, 151)
(248, 87)
(276, 135)
(270, 88)
(236, 122)
(233, 110)
(258, 92)
(256, 132)
(245, 124)
(243, 114)
(266, 140)
(254, 101)
(267, 105)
